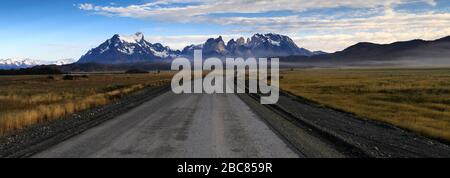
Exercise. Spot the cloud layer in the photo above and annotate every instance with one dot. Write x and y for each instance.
(317, 25)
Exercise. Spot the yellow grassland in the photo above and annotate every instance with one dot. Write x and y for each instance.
(28, 100)
(413, 99)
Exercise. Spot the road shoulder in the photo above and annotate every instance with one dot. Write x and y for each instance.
(31, 140)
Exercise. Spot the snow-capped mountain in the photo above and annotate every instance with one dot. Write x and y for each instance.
(27, 63)
(259, 45)
(127, 49)
(62, 62)
(269, 45)
(17, 63)
(134, 48)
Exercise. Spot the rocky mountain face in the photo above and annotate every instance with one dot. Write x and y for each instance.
(215, 47)
(189, 50)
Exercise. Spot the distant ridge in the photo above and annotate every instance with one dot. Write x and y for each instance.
(417, 51)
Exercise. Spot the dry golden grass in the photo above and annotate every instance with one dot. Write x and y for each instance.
(28, 100)
(413, 99)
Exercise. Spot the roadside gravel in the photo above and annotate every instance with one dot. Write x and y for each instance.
(360, 137)
(26, 142)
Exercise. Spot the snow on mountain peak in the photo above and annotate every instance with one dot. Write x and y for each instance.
(274, 42)
(63, 61)
(137, 37)
(134, 48)
(26, 63)
(17, 63)
(123, 49)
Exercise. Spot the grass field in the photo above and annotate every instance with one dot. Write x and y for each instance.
(27, 100)
(413, 99)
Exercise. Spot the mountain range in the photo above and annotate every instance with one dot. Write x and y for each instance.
(132, 49)
(259, 45)
(27, 63)
(123, 52)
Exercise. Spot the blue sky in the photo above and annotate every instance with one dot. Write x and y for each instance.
(58, 29)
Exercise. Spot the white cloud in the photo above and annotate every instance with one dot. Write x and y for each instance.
(205, 7)
(328, 32)
(86, 6)
(337, 42)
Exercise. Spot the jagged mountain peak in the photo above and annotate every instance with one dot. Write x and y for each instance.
(134, 48)
(215, 47)
(231, 42)
(259, 45)
(215, 40)
(240, 41)
(126, 49)
(272, 39)
(136, 38)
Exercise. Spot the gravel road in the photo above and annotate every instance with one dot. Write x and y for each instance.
(177, 126)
